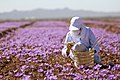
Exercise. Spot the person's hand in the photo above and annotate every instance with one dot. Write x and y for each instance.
(69, 46)
(70, 43)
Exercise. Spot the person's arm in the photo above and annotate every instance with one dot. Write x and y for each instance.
(93, 40)
(65, 51)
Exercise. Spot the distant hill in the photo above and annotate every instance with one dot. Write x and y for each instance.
(53, 14)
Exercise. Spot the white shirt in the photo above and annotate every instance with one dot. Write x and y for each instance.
(87, 38)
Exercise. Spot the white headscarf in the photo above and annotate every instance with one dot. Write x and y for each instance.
(76, 24)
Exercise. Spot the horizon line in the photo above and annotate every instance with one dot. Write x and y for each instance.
(61, 9)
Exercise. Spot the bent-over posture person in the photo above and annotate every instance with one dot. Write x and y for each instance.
(82, 38)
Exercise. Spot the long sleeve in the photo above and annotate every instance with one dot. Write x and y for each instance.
(92, 40)
(67, 39)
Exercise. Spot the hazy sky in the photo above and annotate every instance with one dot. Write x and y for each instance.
(94, 5)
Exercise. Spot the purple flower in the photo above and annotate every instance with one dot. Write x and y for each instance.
(40, 70)
(25, 77)
(1, 76)
(53, 77)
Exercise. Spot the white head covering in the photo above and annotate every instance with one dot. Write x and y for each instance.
(76, 23)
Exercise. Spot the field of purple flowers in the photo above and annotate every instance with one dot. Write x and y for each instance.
(33, 51)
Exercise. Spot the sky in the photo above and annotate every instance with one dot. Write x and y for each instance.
(93, 5)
